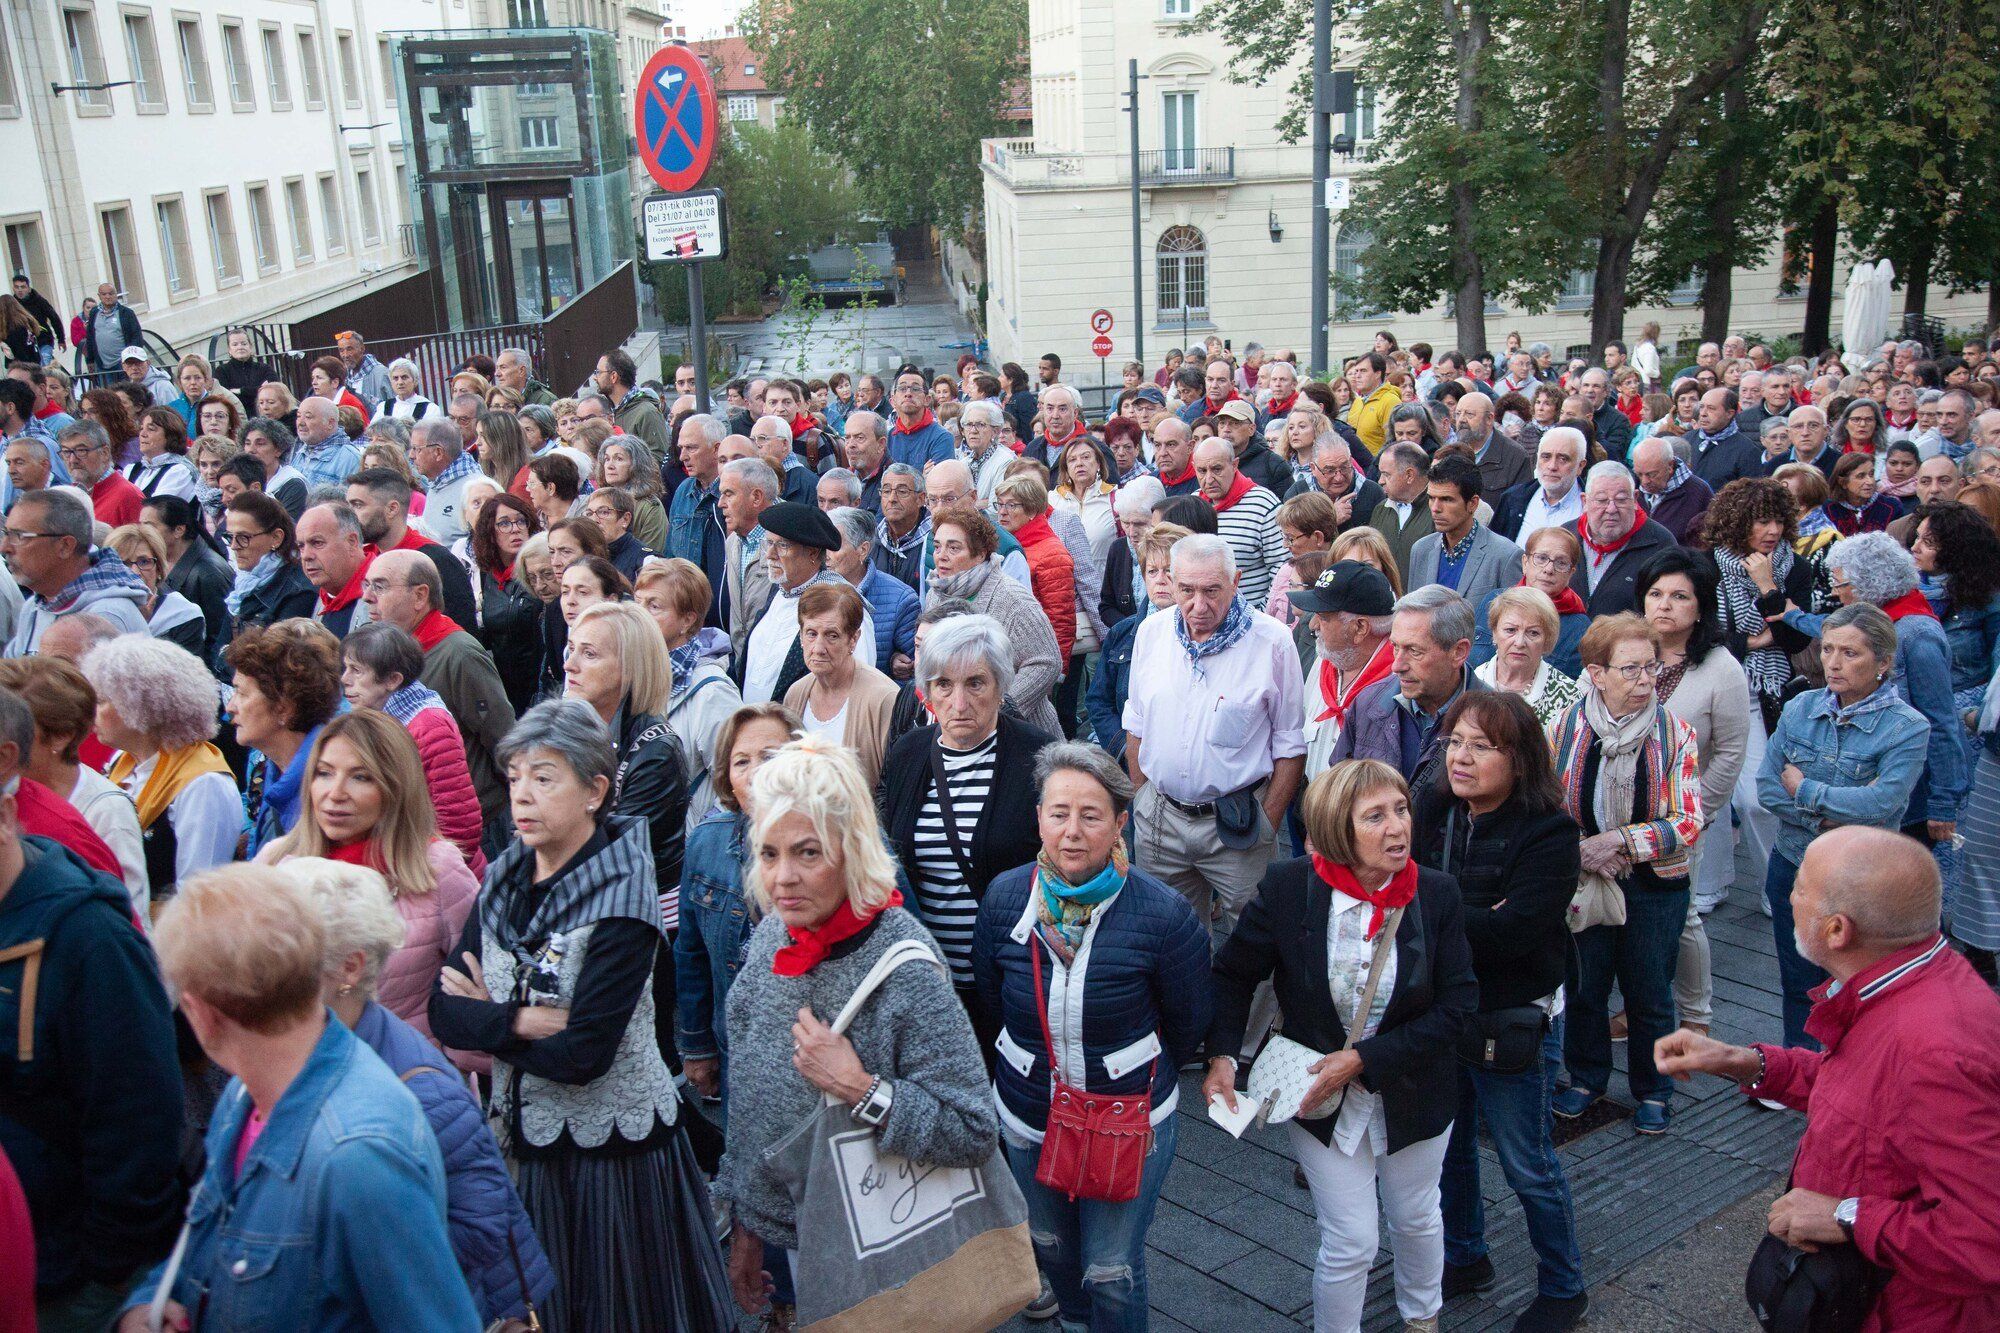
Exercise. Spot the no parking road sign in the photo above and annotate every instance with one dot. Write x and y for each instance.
(686, 228)
(673, 117)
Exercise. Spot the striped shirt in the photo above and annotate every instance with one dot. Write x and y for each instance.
(944, 899)
(1250, 526)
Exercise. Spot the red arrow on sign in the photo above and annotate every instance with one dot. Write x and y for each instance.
(1101, 344)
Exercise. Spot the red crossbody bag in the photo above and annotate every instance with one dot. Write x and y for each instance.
(1095, 1145)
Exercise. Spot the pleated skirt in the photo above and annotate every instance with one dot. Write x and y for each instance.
(630, 1238)
(1975, 910)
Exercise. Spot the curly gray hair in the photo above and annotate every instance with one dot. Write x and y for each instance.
(160, 689)
(1875, 565)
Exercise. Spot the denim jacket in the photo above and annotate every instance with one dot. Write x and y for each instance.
(690, 517)
(337, 1220)
(1860, 765)
(715, 922)
(1974, 635)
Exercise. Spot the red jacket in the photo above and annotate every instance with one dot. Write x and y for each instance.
(1903, 1113)
(46, 815)
(1052, 575)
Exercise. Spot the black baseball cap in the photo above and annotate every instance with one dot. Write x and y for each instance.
(1349, 586)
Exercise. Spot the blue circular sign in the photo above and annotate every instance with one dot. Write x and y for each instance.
(673, 117)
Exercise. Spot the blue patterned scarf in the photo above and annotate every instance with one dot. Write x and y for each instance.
(1233, 627)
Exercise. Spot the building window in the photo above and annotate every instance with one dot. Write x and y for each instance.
(312, 81)
(86, 57)
(1579, 291)
(527, 14)
(275, 82)
(371, 214)
(25, 253)
(175, 251)
(142, 54)
(1359, 124)
(1181, 264)
(121, 254)
(194, 65)
(1177, 132)
(386, 51)
(301, 220)
(742, 108)
(236, 57)
(329, 207)
(1350, 250)
(539, 132)
(350, 69)
(263, 228)
(10, 97)
(1176, 9)
(1689, 290)
(222, 237)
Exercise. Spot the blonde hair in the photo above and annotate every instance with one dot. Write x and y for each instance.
(221, 446)
(686, 583)
(1370, 547)
(1158, 544)
(1027, 488)
(1330, 800)
(643, 663)
(1530, 602)
(822, 781)
(408, 823)
(137, 539)
(247, 941)
(356, 912)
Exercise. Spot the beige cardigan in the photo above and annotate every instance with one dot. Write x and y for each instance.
(871, 701)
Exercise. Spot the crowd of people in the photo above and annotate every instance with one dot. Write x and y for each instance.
(448, 832)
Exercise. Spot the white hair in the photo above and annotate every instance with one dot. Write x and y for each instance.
(1571, 436)
(356, 911)
(1139, 497)
(756, 474)
(965, 641)
(1202, 548)
(404, 363)
(821, 780)
(784, 426)
(1610, 467)
(983, 412)
(1075, 399)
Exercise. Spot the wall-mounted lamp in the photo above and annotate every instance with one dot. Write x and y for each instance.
(1277, 227)
(1343, 144)
(58, 89)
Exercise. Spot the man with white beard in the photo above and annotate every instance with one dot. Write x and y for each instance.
(1351, 606)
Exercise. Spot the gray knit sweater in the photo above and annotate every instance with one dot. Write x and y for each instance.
(913, 1032)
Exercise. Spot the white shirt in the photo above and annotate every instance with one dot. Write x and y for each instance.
(1540, 514)
(834, 728)
(207, 819)
(1348, 955)
(1204, 736)
(771, 641)
(1401, 509)
(109, 811)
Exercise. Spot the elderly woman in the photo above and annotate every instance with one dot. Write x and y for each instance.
(965, 545)
(841, 697)
(1852, 753)
(908, 1066)
(286, 686)
(272, 444)
(537, 571)
(381, 668)
(1630, 777)
(1855, 506)
(1549, 560)
(1412, 423)
(308, 1128)
(497, 1252)
(561, 995)
(1359, 918)
(276, 402)
(675, 593)
(1136, 1008)
(1861, 428)
(1111, 684)
(624, 460)
(169, 615)
(1494, 821)
(1750, 528)
(509, 613)
(269, 586)
(157, 706)
(407, 402)
(958, 794)
(163, 467)
(364, 805)
(1124, 587)
(1524, 626)
(1021, 503)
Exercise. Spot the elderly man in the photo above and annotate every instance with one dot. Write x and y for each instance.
(636, 410)
(949, 486)
(1237, 423)
(1553, 496)
(1503, 464)
(1173, 456)
(366, 376)
(1618, 540)
(1374, 401)
(1774, 440)
(87, 452)
(1396, 720)
(324, 457)
(783, 399)
(695, 531)
(513, 369)
(892, 603)
(1213, 736)
(139, 368)
(1404, 515)
(1520, 376)
(1723, 451)
(1902, 1016)
(1245, 517)
(979, 431)
(439, 454)
(903, 535)
(1218, 386)
(1954, 428)
(1986, 428)
(798, 539)
(839, 488)
(771, 437)
(745, 488)
(464, 410)
(47, 545)
(28, 468)
(1062, 425)
(109, 327)
(864, 439)
(333, 558)
(1809, 440)
(915, 436)
(1284, 381)
(1669, 491)
(380, 499)
(1463, 554)
(1335, 476)
(403, 588)
(1352, 608)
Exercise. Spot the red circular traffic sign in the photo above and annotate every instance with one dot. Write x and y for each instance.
(1100, 322)
(1101, 344)
(673, 118)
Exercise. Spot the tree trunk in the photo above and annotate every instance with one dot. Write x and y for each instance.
(1719, 268)
(1470, 33)
(1825, 240)
(1917, 277)
(1993, 299)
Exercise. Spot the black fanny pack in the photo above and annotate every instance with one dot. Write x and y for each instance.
(1504, 1041)
(1828, 1291)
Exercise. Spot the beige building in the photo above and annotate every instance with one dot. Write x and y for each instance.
(739, 82)
(1225, 212)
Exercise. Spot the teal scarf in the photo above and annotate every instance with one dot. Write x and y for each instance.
(1065, 909)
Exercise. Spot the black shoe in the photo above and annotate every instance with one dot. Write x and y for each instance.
(1464, 1279)
(1551, 1314)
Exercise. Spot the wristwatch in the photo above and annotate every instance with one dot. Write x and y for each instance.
(1844, 1213)
(873, 1108)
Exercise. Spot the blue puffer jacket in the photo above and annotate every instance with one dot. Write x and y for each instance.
(480, 1203)
(1136, 997)
(1104, 701)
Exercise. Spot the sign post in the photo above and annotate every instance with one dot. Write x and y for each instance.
(674, 120)
(1100, 324)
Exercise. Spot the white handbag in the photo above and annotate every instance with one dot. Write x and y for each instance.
(1282, 1075)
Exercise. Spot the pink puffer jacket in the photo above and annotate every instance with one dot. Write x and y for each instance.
(441, 747)
(431, 926)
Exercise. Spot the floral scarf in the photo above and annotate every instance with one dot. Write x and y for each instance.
(1233, 627)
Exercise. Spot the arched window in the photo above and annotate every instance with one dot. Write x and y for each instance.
(1349, 249)
(1181, 261)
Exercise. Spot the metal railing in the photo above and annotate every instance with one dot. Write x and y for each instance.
(1187, 166)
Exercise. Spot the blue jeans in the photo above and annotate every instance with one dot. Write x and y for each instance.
(1094, 1254)
(1640, 956)
(1515, 1108)
(1796, 976)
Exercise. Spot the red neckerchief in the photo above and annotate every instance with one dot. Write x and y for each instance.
(1211, 407)
(802, 424)
(347, 596)
(1567, 602)
(1398, 892)
(1237, 490)
(809, 948)
(1906, 422)
(1282, 406)
(1911, 603)
(1182, 479)
(1603, 550)
(1338, 701)
(504, 576)
(360, 852)
(1034, 530)
(409, 541)
(927, 419)
(434, 629)
(1076, 432)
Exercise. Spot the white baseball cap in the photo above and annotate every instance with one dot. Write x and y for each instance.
(135, 354)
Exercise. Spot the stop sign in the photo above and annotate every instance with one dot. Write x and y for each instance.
(1101, 344)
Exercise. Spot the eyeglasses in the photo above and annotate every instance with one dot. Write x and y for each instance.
(1543, 560)
(245, 538)
(1633, 670)
(380, 586)
(1008, 507)
(71, 455)
(1477, 749)
(904, 492)
(138, 562)
(510, 525)
(15, 535)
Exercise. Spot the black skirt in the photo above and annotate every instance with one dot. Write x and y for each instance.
(630, 1238)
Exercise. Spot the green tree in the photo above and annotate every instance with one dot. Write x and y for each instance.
(900, 91)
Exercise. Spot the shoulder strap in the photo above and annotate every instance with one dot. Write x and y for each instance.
(959, 852)
(897, 954)
(1385, 940)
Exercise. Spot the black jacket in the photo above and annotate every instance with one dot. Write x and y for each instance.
(1366, 495)
(458, 603)
(1264, 467)
(55, 329)
(1731, 455)
(244, 378)
(1008, 834)
(202, 576)
(1617, 589)
(1614, 430)
(1282, 936)
(1115, 599)
(650, 783)
(627, 554)
(510, 625)
(290, 594)
(1516, 874)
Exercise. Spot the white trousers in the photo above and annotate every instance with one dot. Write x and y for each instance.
(1715, 865)
(1343, 1192)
